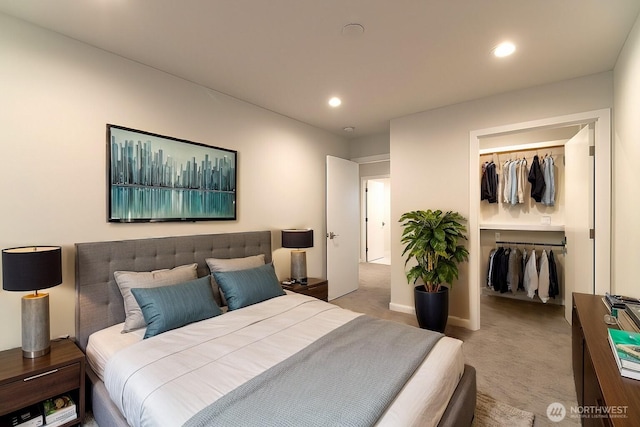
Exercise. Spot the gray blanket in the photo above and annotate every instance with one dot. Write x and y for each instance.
(349, 377)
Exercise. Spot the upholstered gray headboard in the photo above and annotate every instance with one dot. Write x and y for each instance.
(99, 303)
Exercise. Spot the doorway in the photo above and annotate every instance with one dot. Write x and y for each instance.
(376, 213)
(599, 121)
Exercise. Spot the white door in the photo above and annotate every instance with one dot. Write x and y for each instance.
(375, 220)
(579, 203)
(343, 233)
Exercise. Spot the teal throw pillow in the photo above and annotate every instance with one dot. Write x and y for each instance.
(170, 307)
(246, 287)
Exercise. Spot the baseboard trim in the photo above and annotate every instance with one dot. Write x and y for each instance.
(402, 308)
(459, 321)
(452, 320)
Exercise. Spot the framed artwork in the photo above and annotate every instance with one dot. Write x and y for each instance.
(159, 178)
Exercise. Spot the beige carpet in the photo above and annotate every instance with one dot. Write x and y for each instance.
(522, 352)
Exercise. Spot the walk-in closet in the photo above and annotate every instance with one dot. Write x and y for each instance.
(522, 215)
(564, 221)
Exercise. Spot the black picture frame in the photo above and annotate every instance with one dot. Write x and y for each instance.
(153, 178)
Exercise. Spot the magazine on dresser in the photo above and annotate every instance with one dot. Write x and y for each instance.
(625, 346)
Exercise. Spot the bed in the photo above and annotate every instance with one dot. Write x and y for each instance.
(441, 391)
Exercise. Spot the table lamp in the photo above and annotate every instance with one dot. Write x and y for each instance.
(298, 239)
(31, 269)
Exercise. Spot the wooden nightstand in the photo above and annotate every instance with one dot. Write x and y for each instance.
(24, 382)
(318, 288)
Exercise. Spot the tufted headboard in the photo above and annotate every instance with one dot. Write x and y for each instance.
(99, 303)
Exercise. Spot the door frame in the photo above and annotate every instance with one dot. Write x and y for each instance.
(602, 134)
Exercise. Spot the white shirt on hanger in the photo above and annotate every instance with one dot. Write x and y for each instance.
(543, 277)
(531, 275)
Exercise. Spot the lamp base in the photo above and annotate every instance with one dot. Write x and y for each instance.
(299, 266)
(36, 335)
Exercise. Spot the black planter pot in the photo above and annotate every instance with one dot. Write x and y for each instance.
(432, 308)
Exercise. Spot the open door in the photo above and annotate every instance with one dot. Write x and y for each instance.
(579, 216)
(343, 231)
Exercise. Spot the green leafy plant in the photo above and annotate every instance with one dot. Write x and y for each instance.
(431, 238)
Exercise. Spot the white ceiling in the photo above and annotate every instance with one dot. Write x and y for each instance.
(290, 56)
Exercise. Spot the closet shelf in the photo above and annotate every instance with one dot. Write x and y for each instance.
(522, 227)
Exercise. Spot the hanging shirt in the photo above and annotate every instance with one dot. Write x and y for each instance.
(522, 179)
(506, 182)
(549, 194)
(554, 286)
(496, 269)
(543, 277)
(489, 183)
(502, 272)
(536, 178)
(523, 265)
(515, 269)
(490, 268)
(531, 275)
(513, 192)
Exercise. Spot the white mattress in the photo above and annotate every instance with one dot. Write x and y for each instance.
(167, 379)
(104, 344)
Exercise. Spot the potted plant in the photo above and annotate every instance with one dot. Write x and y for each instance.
(432, 239)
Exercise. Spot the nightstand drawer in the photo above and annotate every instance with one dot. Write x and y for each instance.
(319, 292)
(38, 387)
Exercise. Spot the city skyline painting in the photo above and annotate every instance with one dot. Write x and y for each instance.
(159, 178)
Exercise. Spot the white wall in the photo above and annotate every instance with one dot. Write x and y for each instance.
(626, 160)
(369, 145)
(58, 95)
(430, 160)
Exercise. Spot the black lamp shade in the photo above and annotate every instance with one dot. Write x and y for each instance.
(31, 268)
(297, 239)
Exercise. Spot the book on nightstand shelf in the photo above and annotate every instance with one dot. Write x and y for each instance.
(625, 346)
(30, 416)
(59, 410)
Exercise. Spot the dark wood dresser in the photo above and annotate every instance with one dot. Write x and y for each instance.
(599, 386)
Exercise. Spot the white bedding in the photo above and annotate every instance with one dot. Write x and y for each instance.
(166, 379)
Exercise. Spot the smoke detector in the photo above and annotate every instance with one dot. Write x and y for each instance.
(352, 30)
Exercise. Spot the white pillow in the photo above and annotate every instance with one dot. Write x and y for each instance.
(127, 280)
(230, 264)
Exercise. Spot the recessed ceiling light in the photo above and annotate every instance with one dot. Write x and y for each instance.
(504, 49)
(335, 102)
(349, 129)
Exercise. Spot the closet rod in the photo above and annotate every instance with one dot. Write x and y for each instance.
(562, 244)
(531, 243)
(486, 152)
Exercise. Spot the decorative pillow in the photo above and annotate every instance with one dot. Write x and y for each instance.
(170, 307)
(127, 280)
(246, 287)
(230, 264)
